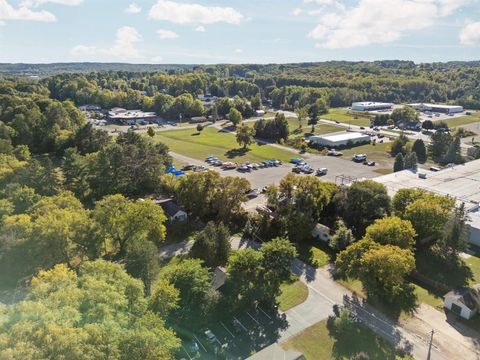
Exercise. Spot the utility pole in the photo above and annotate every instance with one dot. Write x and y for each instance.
(430, 346)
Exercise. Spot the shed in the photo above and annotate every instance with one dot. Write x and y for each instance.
(219, 277)
(463, 301)
(321, 232)
(172, 210)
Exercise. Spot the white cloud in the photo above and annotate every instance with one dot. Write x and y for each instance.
(297, 12)
(8, 12)
(238, 51)
(133, 8)
(200, 28)
(377, 21)
(122, 49)
(183, 13)
(470, 34)
(166, 34)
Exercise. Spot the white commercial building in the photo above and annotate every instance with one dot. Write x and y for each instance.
(371, 106)
(461, 182)
(446, 109)
(131, 116)
(340, 139)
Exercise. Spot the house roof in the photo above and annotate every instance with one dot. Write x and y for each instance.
(219, 277)
(170, 207)
(470, 297)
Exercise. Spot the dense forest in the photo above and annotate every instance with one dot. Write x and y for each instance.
(342, 82)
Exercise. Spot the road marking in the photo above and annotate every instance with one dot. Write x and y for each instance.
(233, 336)
(252, 318)
(244, 328)
(201, 344)
(186, 352)
(264, 312)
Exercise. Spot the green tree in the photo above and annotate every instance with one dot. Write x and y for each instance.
(235, 117)
(454, 237)
(405, 113)
(119, 222)
(454, 152)
(342, 238)
(302, 115)
(421, 151)
(440, 142)
(399, 163)
(403, 198)
(365, 201)
(245, 136)
(212, 245)
(392, 231)
(278, 255)
(399, 145)
(99, 313)
(411, 160)
(151, 132)
(164, 298)
(193, 283)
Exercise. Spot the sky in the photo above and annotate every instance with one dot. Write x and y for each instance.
(238, 31)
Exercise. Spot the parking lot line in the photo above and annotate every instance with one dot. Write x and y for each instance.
(186, 352)
(200, 344)
(233, 336)
(264, 312)
(252, 318)
(244, 328)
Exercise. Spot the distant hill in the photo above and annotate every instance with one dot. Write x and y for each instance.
(56, 68)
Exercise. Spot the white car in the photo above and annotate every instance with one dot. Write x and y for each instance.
(359, 157)
(210, 336)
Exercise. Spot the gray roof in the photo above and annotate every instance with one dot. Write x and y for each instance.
(170, 207)
(470, 297)
(219, 277)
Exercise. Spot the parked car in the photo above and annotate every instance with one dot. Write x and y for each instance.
(297, 161)
(362, 128)
(188, 167)
(307, 169)
(193, 346)
(229, 166)
(334, 153)
(359, 157)
(435, 169)
(199, 168)
(297, 169)
(210, 336)
(217, 163)
(252, 194)
(371, 163)
(321, 172)
(243, 168)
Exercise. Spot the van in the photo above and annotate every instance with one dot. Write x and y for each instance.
(435, 169)
(422, 175)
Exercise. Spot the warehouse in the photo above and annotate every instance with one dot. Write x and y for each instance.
(371, 106)
(131, 117)
(436, 108)
(340, 139)
(461, 182)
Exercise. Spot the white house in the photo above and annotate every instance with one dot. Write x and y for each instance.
(172, 210)
(463, 301)
(321, 232)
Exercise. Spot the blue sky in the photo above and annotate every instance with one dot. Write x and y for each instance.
(238, 31)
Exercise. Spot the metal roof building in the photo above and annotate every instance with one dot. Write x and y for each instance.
(371, 106)
(339, 139)
(461, 182)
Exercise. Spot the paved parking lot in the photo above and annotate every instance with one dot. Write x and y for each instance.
(336, 166)
(237, 336)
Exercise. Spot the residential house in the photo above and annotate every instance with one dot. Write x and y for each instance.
(172, 210)
(463, 301)
(321, 232)
(219, 278)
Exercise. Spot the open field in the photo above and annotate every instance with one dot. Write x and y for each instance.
(210, 141)
(292, 294)
(318, 343)
(378, 153)
(463, 120)
(347, 116)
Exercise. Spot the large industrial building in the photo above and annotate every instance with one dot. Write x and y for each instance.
(461, 182)
(436, 108)
(371, 106)
(131, 117)
(340, 139)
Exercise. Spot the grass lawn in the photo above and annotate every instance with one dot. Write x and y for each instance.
(473, 263)
(427, 297)
(292, 294)
(223, 145)
(354, 286)
(463, 120)
(378, 153)
(317, 343)
(348, 117)
(315, 256)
